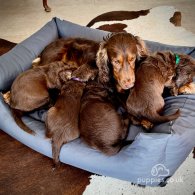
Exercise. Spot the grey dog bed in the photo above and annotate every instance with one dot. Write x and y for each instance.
(150, 160)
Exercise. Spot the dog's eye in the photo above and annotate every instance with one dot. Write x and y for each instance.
(116, 65)
(116, 62)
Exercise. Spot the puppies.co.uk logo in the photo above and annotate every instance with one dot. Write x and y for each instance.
(159, 170)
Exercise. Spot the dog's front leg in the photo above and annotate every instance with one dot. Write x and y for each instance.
(174, 91)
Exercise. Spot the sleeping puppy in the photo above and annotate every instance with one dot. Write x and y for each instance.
(116, 59)
(145, 101)
(163, 69)
(62, 119)
(73, 51)
(30, 90)
(101, 127)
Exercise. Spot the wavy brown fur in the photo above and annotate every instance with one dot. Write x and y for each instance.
(116, 59)
(101, 127)
(145, 100)
(62, 119)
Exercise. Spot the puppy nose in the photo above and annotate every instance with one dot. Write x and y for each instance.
(128, 81)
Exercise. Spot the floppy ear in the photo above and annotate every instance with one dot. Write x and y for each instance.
(141, 47)
(102, 63)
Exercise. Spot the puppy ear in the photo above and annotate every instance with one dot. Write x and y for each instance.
(141, 47)
(102, 63)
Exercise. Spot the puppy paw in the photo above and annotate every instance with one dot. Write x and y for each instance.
(146, 124)
(174, 91)
(6, 97)
(36, 62)
(187, 89)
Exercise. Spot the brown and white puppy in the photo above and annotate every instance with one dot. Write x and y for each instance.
(30, 90)
(145, 101)
(101, 127)
(116, 59)
(62, 119)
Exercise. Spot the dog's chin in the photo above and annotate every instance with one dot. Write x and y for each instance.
(125, 87)
(121, 88)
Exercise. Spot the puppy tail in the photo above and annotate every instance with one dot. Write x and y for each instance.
(161, 119)
(56, 147)
(17, 115)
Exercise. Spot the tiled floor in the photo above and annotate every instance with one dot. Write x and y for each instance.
(21, 18)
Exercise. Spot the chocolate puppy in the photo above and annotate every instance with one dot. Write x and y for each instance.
(145, 101)
(30, 90)
(62, 118)
(101, 127)
(163, 69)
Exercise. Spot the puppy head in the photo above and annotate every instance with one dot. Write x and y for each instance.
(185, 70)
(117, 56)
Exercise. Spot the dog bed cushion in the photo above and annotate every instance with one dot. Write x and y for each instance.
(150, 160)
